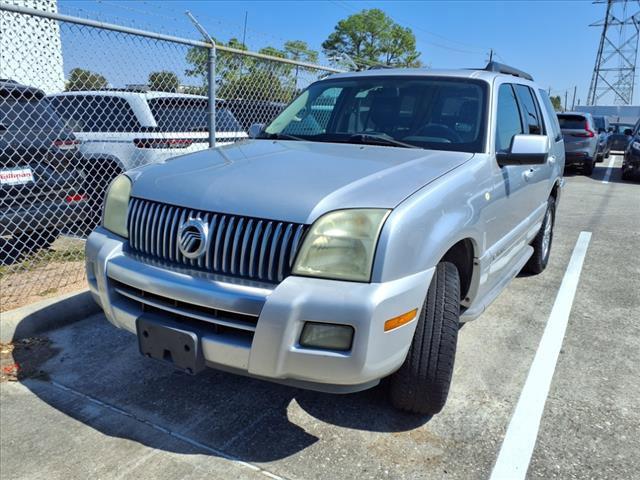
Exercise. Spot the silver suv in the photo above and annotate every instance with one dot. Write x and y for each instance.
(345, 243)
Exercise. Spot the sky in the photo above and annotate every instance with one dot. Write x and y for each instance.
(551, 40)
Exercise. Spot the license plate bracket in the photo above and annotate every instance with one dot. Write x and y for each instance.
(170, 342)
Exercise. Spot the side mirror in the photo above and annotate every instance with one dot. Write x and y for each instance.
(601, 130)
(255, 130)
(628, 132)
(525, 150)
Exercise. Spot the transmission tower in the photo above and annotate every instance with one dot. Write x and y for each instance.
(615, 69)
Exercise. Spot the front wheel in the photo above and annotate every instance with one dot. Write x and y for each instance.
(421, 385)
(542, 243)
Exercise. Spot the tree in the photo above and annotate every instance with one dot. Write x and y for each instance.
(80, 79)
(372, 38)
(556, 101)
(252, 78)
(164, 81)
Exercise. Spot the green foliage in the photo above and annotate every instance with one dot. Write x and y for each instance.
(251, 78)
(372, 38)
(164, 81)
(80, 79)
(556, 101)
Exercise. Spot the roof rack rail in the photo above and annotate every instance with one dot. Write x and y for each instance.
(502, 68)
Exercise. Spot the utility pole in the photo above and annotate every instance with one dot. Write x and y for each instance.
(615, 68)
(573, 102)
(565, 100)
(490, 55)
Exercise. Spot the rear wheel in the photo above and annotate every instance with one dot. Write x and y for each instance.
(587, 169)
(421, 385)
(542, 243)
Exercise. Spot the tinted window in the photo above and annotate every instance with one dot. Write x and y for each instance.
(96, 113)
(28, 114)
(621, 127)
(572, 122)
(180, 114)
(599, 122)
(427, 112)
(509, 121)
(531, 111)
(553, 118)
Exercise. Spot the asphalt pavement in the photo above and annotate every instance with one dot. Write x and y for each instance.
(89, 406)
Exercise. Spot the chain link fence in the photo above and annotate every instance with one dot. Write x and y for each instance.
(82, 101)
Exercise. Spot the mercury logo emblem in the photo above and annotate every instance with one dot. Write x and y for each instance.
(192, 237)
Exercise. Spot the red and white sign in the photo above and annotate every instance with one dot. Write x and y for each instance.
(16, 176)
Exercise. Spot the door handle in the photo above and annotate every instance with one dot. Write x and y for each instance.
(528, 175)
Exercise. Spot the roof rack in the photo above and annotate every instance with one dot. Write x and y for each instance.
(506, 69)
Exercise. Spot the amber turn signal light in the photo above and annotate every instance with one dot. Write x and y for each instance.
(403, 319)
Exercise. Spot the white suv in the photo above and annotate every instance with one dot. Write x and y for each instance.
(120, 130)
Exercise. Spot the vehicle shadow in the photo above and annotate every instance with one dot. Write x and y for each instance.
(91, 362)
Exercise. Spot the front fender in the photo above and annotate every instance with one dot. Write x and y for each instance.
(427, 224)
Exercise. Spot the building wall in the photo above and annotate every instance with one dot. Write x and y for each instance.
(30, 47)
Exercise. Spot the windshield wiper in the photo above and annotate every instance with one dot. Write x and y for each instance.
(373, 139)
(281, 136)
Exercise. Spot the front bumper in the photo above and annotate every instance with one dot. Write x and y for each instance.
(42, 216)
(253, 328)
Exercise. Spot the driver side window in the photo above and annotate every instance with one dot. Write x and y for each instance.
(509, 120)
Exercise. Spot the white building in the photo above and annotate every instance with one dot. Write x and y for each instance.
(30, 47)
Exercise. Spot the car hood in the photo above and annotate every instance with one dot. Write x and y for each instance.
(291, 180)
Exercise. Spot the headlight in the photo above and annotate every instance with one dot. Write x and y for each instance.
(341, 245)
(635, 145)
(116, 205)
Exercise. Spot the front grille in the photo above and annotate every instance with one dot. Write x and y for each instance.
(247, 247)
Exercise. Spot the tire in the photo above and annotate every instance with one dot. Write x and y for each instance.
(540, 258)
(626, 175)
(421, 385)
(587, 169)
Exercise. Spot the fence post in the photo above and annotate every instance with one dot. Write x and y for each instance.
(211, 76)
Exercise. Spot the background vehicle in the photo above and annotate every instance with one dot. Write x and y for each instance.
(620, 136)
(120, 130)
(601, 123)
(631, 161)
(41, 181)
(580, 140)
(248, 112)
(345, 243)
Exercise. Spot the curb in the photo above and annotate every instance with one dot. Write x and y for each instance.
(46, 315)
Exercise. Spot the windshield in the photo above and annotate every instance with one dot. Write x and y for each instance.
(621, 127)
(425, 112)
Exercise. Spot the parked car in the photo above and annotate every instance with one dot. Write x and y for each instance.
(580, 140)
(631, 161)
(602, 125)
(41, 182)
(345, 243)
(249, 112)
(120, 130)
(620, 136)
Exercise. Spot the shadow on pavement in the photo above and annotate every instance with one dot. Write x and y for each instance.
(97, 377)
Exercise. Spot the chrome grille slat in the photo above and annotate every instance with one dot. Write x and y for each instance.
(248, 247)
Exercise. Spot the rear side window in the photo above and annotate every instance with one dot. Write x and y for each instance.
(96, 113)
(553, 118)
(530, 110)
(179, 114)
(509, 121)
(572, 122)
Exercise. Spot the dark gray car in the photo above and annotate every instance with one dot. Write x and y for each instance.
(41, 183)
(602, 125)
(620, 136)
(580, 140)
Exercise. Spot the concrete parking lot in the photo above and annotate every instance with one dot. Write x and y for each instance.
(88, 406)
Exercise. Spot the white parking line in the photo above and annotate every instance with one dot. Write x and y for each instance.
(517, 446)
(607, 174)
